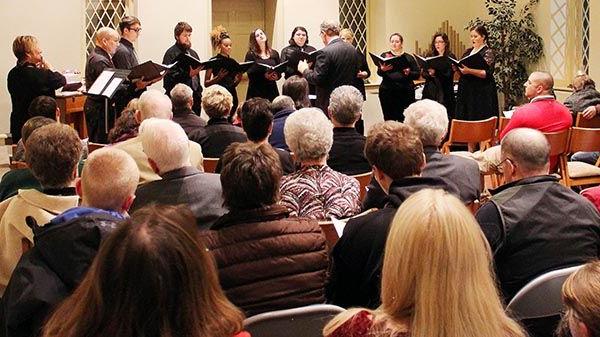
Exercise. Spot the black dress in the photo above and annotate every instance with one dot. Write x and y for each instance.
(227, 82)
(440, 87)
(477, 98)
(291, 54)
(258, 85)
(397, 91)
(25, 83)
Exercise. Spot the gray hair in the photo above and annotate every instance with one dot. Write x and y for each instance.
(309, 134)
(529, 148)
(154, 103)
(282, 102)
(181, 96)
(165, 142)
(345, 104)
(330, 27)
(430, 120)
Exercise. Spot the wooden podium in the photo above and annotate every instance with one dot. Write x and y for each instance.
(71, 111)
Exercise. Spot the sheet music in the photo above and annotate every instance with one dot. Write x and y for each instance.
(339, 225)
(101, 82)
(114, 84)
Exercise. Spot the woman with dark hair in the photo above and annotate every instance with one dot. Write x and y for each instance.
(298, 42)
(221, 43)
(439, 83)
(397, 90)
(477, 97)
(297, 88)
(152, 277)
(262, 82)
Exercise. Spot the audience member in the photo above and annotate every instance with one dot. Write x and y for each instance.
(166, 145)
(14, 180)
(296, 88)
(436, 278)
(316, 191)
(153, 103)
(581, 296)
(281, 107)
(182, 98)
(267, 260)
(533, 223)
(584, 94)
(430, 120)
(347, 151)
(126, 127)
(151, 277)
(52, 154)
(218, 132)
(65, 247)
(395, 153)
(42, 106)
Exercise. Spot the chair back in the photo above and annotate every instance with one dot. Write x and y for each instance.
(363, 179)
(587, 123)
(502, 123)
(559, 142)
(541, 297)
(94, 146)
(210, 164)
(584, 139)
(331, 235)
(471, 133)
(304, 321)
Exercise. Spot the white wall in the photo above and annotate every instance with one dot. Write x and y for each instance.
(58, 25)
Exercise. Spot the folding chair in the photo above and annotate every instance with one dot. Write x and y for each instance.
(363, 180)
(559, 147)
(210, 164)
(471, 133)
(581, 122)
(579, 173)
(94, 146)
(298, 322)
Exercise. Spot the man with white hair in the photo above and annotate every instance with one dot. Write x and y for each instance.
(347, 151)
(182, 98)
(167, 147)
(154, 104)
(336, 65)
(107, 41)
(533, 223)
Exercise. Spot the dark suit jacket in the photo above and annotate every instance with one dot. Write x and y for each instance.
(335, 66)
(216, 136)
(201, 192)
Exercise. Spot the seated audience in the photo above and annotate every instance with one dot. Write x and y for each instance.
(41, 106)
(153, 103)
(430, 120)
(267, 260)
(436, 278)
(52, 154)
(584, 94)
(281, 107)
(581, 296)
(296, 88)
(182, 98)
(395, 152)
(316, 191)
(166, 145)
(347, 151)
(533, 223)
(257, 122)
(151, 277)
(14, 180)
(218, 132)
(65, 247)
(126, 127)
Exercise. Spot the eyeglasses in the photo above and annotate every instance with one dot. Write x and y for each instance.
(137, 30)
(497, 166)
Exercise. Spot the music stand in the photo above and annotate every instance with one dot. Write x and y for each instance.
(106, 85)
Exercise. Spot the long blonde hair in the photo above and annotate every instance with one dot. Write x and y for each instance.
(437, 278)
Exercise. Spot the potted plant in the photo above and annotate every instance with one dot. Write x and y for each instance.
(515, 43)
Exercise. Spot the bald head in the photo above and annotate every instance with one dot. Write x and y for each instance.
(528, 149)
(539, 83)
(106, 33)
(154, 103)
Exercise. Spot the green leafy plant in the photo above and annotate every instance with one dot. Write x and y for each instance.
(515, 43)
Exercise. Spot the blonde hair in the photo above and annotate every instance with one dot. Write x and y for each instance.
(217, 35)
(581, 295)
(22, 45)
(216, 101)
(437, 277)
(109, 177)
(347, 33)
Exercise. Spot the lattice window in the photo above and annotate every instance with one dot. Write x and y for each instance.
(586, 35)
(558, 37)
(102, 13)
(353, 15)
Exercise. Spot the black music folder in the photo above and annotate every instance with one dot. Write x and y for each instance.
(278, 68)
(309, 57)
(475, 61)
(149, 71)
(229, 64)
(434, 62)
(398, 62)
(186, 61)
